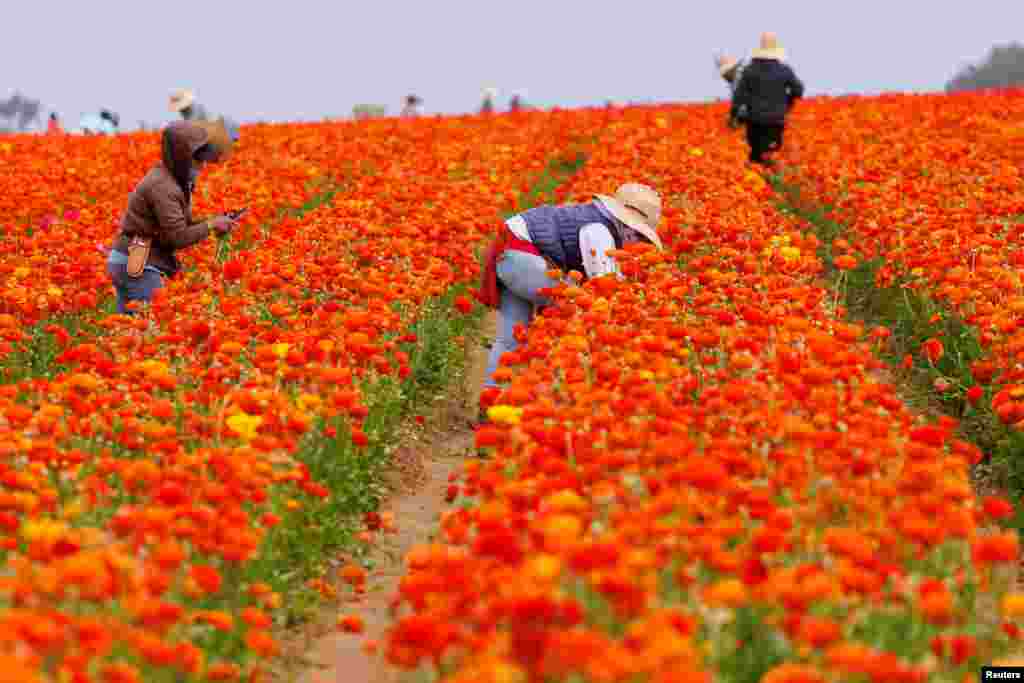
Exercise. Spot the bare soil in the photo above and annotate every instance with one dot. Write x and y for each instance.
(428, 455)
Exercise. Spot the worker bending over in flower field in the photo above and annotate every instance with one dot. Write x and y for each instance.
(767, 91)
(571, 237)
(158, 220)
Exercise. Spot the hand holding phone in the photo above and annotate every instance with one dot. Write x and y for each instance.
(235, 215)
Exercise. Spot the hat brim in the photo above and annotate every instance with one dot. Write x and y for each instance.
(726, 68)
(773, 53)
(218, 137)
(177, 104)
(632, 218)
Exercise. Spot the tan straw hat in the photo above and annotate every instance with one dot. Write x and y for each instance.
(219, 137)
(770, 47)
(181, 99)
(726, 64)
(639, 207)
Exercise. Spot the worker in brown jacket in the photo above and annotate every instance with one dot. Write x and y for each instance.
(158, 221)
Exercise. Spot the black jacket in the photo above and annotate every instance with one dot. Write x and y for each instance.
(767, 91)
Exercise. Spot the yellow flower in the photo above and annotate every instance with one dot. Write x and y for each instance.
(506, 414)
(1013, 605)
(153, 367)
(308, 402)
(72, 509)
(43, 530)
(245, 425)
(790, 253)
(544, 567)
(281, 350)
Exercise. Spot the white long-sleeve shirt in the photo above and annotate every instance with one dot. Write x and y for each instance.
(595, 243)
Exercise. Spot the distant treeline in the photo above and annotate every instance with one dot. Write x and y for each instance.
(1003, 68)
(18, 112)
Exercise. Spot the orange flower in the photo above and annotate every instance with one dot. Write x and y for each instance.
(262, 643)
(793, 673)
(351, 623)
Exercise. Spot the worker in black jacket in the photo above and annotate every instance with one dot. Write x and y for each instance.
(766, 93)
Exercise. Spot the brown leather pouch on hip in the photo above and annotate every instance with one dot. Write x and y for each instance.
(138, 255)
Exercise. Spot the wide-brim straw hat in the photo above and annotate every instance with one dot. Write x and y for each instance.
(770, 48)
(219, 137)
(181, 99)
(639, 207)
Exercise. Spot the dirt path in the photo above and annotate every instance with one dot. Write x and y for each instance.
(424, 463)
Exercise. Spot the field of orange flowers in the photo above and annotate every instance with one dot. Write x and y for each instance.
(925, 194)
(697, 474)
(167, 480)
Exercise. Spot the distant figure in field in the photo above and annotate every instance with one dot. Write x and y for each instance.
(731, 71)
(412, 107)
(183, 102)
(487, 107)
(766, 93)
(518, 102)
(53, 126)
(112, 118)
(104, 123)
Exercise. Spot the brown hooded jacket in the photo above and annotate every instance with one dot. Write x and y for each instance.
(160, 207)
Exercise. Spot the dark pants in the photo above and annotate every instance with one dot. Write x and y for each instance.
(763, 138)
(133, 288)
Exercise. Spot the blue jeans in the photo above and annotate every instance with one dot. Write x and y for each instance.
(133, 288)
(520, 276)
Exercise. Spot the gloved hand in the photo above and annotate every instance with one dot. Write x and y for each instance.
(222, 225)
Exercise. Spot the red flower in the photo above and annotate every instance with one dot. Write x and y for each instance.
(933, 350)
(233, 270)
(997, 508)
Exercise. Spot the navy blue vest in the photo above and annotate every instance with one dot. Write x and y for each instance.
(555, 231)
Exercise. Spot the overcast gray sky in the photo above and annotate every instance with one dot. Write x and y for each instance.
(306, 59)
